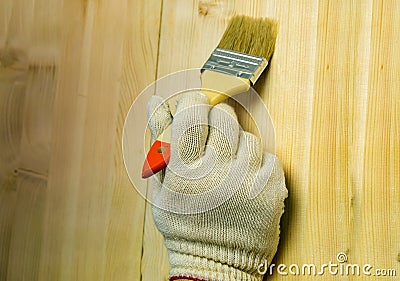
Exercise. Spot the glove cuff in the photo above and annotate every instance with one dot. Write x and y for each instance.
(211, 262)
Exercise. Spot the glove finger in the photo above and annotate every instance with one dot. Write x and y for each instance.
(158, 116)
(269, 193)
(190, 127)
(224, 131)
(250, 147)
(270, 181)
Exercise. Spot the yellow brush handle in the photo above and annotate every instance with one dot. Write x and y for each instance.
(219, 86)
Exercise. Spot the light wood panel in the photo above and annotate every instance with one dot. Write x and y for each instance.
(125, 234)
(341, 72)
(289, 92)
(319, 92)
(94, 221)
(89, 209)
(71, 69)
(379, 194)
(28, 55)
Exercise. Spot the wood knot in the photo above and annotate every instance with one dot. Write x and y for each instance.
(206, 6)
(13, 58)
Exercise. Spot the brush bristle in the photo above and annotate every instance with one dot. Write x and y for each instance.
(252, 36)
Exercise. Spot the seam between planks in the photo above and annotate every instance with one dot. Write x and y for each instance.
(155, 78)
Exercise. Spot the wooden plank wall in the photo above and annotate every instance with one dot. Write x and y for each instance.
(69, 71)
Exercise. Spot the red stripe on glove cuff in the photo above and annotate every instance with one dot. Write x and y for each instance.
(185, 277)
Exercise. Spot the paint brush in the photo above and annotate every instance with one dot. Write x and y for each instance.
(233, 67)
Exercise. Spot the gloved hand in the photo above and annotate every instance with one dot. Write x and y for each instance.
(218, 203)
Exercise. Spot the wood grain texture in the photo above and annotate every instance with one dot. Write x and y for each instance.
(27, 231)
(321, 93)
(69, 71)
(76, 224)
(125, 234)
(27, 88)
(94, 219)
(8, 198)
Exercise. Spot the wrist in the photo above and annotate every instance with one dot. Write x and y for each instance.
(195, 268)
(185, 278)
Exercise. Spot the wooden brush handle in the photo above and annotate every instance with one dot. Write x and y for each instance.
(219, 86)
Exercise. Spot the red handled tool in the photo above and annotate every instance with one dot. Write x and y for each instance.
(158, 155)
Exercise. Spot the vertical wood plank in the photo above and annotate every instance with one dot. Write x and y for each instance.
(79, 183)
(27, 83)
(288, 91)
(332, 192)
(94, 217)
(64, 170)
(380, 193)
(140, 54)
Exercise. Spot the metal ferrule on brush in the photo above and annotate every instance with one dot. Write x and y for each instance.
(235, 63)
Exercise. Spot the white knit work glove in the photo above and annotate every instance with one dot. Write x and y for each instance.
(218, 203)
